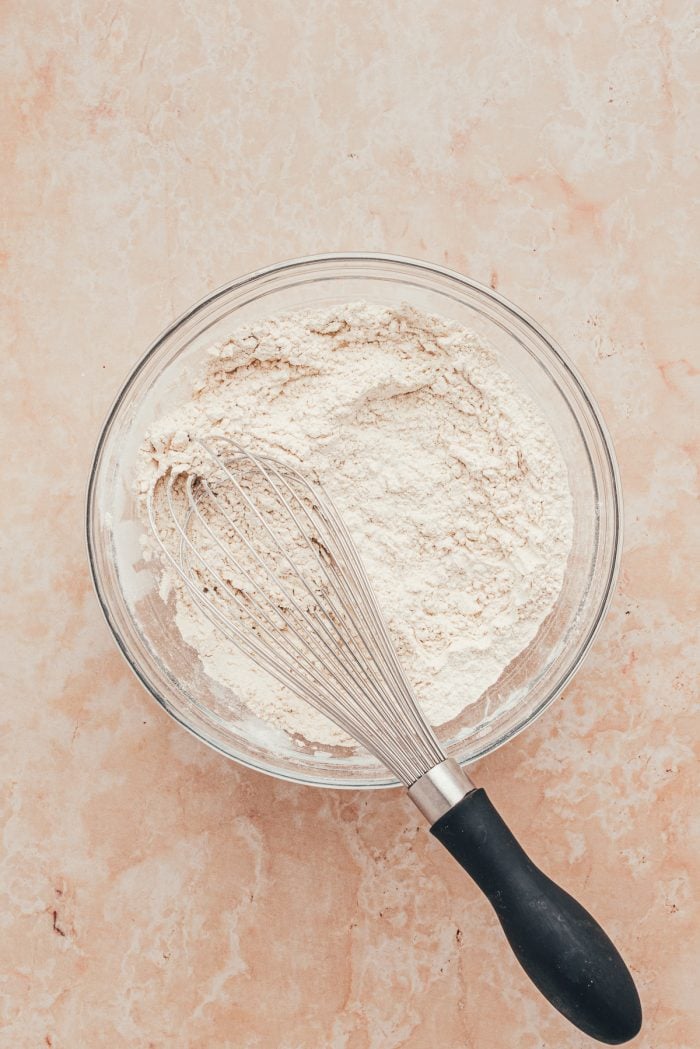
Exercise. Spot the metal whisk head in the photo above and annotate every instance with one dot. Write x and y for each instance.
(265, 555)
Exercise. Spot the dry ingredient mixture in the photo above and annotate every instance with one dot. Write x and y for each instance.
(448, 477)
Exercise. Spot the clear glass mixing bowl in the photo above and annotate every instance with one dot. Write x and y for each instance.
(127, 588)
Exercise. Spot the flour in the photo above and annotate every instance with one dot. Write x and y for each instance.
(448, 477)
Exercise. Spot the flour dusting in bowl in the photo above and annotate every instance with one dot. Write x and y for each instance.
(448, 476)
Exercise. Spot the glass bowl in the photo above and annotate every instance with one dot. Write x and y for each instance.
(127, 587)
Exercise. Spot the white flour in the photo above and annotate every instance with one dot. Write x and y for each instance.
(448, 477)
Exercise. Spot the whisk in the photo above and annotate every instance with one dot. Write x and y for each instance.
(265, 555)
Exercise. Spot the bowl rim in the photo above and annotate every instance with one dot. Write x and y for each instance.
(409, 263)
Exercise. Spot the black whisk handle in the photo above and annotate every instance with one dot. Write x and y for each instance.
(560, 946)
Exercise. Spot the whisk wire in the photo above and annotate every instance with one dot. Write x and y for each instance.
(286, 673)
(331, 648)
(317, 629)
(251, 647)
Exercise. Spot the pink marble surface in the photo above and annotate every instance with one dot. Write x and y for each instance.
(154, 894)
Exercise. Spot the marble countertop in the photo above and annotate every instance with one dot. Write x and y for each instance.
(154, 894)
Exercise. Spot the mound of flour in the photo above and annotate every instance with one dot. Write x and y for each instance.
(448, 477)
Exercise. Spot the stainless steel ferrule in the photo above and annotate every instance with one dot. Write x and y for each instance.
(440, 789)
